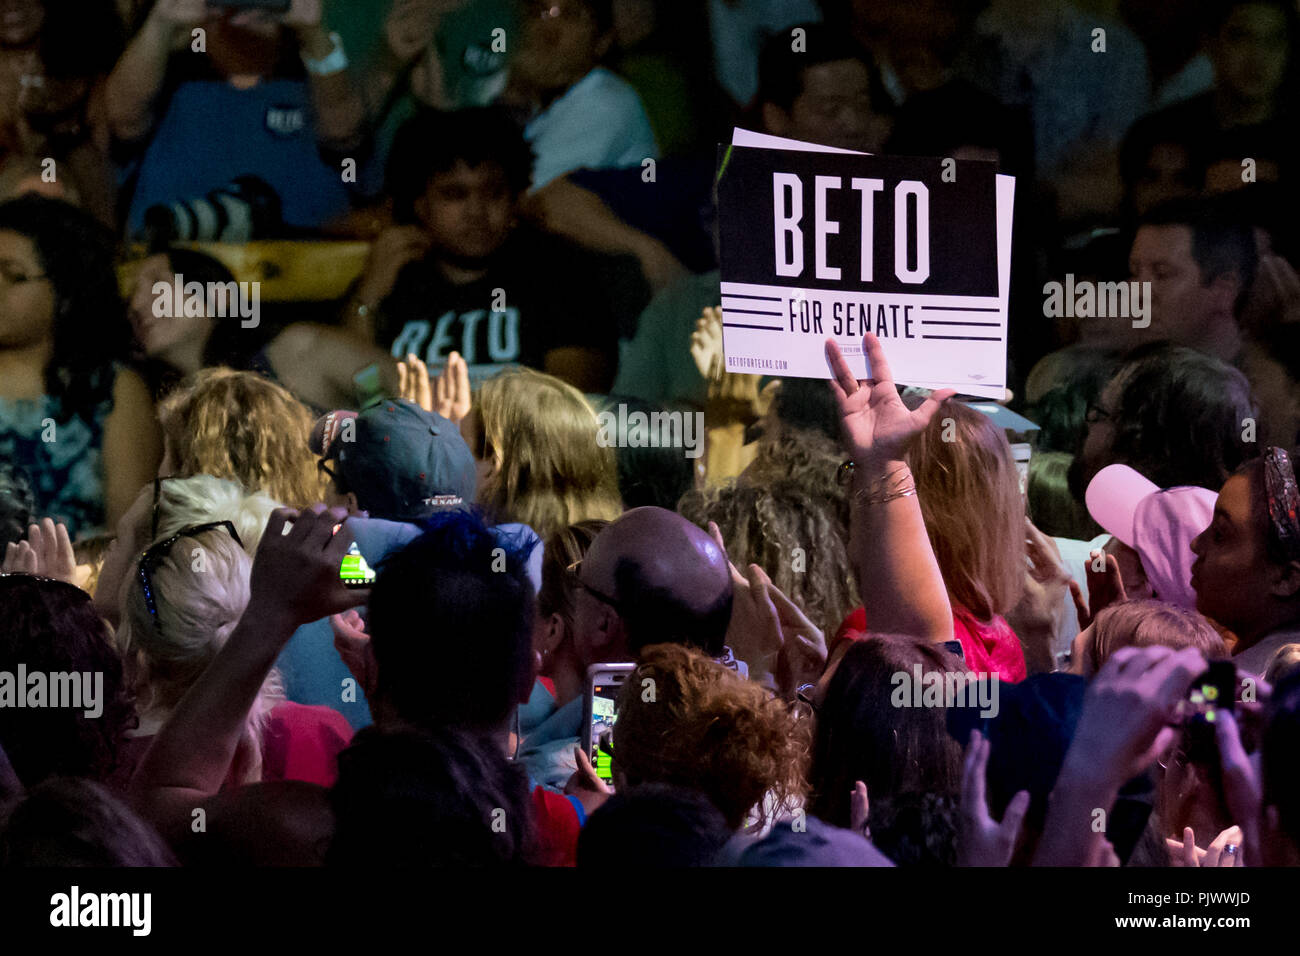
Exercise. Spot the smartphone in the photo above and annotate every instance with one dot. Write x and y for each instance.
(1213, 693)
(1021, 453)
(354, 572)
(600, 711)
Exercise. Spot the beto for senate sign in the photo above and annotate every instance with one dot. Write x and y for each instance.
(820, 243)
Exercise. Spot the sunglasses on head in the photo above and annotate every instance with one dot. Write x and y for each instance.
(153, 557)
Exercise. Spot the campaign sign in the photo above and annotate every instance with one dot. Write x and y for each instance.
(830, 244)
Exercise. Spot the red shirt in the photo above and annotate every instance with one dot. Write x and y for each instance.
(989, 648)
(558, 823)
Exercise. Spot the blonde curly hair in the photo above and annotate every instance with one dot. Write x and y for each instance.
(685, 719)
(244, 427)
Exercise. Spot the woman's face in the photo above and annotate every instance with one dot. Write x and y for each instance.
(26, 294)
(1230, 574)
(159, 334)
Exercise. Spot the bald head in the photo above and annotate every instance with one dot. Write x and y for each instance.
(666, 581)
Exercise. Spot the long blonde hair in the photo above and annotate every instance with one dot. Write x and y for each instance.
(969, 490)
(550, 469)
(244, 427)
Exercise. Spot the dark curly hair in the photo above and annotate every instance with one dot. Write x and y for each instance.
(434, 141)
(90, 327)
(53, 627)
(792, 534)
(1179, 417)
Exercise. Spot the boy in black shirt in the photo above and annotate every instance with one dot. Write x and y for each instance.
(460, 274)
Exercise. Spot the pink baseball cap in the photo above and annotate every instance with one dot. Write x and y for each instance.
(1159, 524)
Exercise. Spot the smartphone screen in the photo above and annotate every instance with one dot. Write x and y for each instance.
(354, 572)
(603, 687)
(1213, 693)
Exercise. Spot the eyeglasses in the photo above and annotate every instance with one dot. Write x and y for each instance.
(153, 557)
(574, 570)
(322, 467)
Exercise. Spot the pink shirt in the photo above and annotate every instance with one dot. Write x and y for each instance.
(989, 648)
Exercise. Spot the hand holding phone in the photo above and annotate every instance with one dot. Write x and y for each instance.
(600, 713)
(1212, 694)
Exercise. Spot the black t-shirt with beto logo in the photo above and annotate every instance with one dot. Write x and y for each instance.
(540, 294)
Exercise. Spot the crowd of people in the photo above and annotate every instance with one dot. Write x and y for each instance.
(853, 629)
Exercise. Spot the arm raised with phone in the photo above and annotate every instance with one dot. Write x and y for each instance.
(295, 579)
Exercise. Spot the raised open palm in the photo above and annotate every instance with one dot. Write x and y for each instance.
(877, 425)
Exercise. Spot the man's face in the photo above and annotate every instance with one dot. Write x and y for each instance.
(1249, 52)
(1182, 307)
(1099, 439)
(1231, 568)
(596, 628)
(560, 44)
(834, 108)
(468, 211)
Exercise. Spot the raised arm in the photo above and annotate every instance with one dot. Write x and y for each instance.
(899, 579)
(294, 581)
(1126, 723)
(340, 115)
(132, 90)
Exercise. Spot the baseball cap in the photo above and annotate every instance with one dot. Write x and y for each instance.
(1159, 524)
(401, 461)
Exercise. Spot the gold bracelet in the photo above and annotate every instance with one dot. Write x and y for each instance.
(881, 499)
(894, 480)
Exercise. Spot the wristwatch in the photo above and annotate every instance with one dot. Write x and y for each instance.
(335, 62)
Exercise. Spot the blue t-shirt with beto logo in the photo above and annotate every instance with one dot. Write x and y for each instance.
(212, 132)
